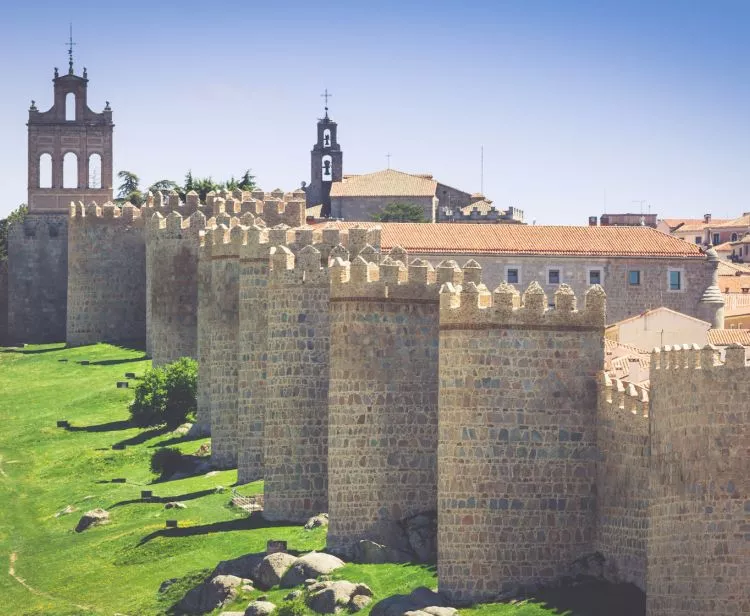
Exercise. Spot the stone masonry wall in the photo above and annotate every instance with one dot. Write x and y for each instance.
(699, 533)
(204, 328)
(3, 303)
(382, 399)
(296, 420)
(623, 300)
(517, 436)
(172, 256)
(223, 338)
(253, 323)
(622, 484)
(106, 276)
(38, 279)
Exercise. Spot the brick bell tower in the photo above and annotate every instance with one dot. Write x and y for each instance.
(70, 148)
(326, 163)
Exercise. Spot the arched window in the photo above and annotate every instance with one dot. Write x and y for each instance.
(70, 107)
(734, 237)
(327, 138)
(70, 170)
(45, 171)
(95, 171)
(327, 168)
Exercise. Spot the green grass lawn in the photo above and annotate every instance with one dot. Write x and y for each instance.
(118, 568)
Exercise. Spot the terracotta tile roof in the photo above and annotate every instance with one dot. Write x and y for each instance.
(725, 337)
(741, 221)
(627, 362)
(725, 247)
(457, 238)
(737, 311)
(692, 224)
(482, 206)
(727, 268)
(744, 240)
(387, 183)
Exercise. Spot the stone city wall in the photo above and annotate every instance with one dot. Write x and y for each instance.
(623, 299)
(382, 399)
(224, 341)
(3, 303)
(699, 531)
(172, 245)
(106, 275)
(622, 486)
(296, 418)
(37, 279)
(517, 436)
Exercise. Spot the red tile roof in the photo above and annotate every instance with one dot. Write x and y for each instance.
(387, 183)
(725, 337)
(450, 238)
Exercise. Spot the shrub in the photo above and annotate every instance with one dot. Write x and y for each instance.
(166, 395)
(166, 461)
(295, 607)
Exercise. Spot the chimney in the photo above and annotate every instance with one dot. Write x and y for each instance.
(706, 218)
(592, 221)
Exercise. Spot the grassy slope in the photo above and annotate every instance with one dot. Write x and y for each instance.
(117, 568)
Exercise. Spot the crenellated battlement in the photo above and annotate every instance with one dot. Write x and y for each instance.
(693, 357)
(175, 226)
(109, 213)
(618, 395)
(303, 268)
(387, 279)
(471, 303)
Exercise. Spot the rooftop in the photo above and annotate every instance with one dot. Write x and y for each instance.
(725, 337)
(457, 238)
(386, 183)
(661, 309)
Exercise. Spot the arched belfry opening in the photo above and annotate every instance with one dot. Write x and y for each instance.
(326, 163)
(70, 147)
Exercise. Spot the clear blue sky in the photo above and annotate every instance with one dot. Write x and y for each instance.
(575, 102)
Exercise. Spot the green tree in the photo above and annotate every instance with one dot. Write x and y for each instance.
(247, 181)
(128, 191)
(166, 395)
(16, 216)
(203, 186)
(400, 212)
(164, 186)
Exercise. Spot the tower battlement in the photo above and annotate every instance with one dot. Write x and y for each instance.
(108, 213)
(693, 357)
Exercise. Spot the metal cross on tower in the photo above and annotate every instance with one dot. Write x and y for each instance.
(326, 96)
(70, 44)
(388, 156)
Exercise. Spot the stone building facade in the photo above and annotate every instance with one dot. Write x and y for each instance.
(69, 159)
(4, 303)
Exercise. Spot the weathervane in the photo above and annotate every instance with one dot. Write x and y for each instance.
(326, 96)
(70, 44)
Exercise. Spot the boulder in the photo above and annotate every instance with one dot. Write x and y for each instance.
(244, 566)
(328, 597)
(316, 521)
(359, 602)
(210, 595)
(260, 608)
(295, 594)
(182, 430)
(175, 505)
(436, 610)
(272, 568)
(369, 552)
(66, 511)
(420, 599)
(95, 517)
(311, 565)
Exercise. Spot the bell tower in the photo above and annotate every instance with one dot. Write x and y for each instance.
(70, 148)
(326, 163)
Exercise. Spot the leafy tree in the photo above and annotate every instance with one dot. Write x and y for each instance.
(189, 184)
(129, 191)
(165, 186)
(400, 212)
(166, 395)
(203, 186)
(166, 461)
(16, 216)
(247, 181)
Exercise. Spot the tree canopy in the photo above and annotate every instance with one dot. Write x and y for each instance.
(16, 216)
(129, 189)
(400, 212)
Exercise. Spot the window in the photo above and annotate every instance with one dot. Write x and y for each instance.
(512, 275)
(634, 278)
(95, 171)
(734, 237)
(675, 280)
(45, 171)
(70, 170)
(553, 276)
(70, 107)
(595, 276)
(717, 239)
(698, 239)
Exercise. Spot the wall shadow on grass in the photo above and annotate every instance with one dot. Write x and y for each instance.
(22, 351)
(594, 599)
(165, 499)
(141, 437)
(115, 362)
(253, 522)
(110, 426)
